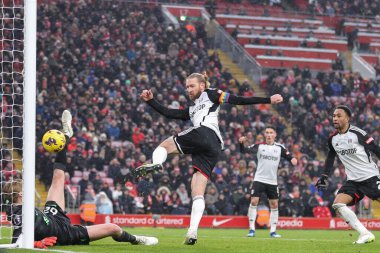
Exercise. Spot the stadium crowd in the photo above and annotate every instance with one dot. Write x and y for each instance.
(94, 59)
(358, 7)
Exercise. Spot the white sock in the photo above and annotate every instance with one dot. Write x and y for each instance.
(350, 217)
(159, 155)
(273, 219)
(196, 213)
(252, 214)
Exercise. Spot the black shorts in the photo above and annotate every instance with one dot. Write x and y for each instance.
(258, 188)
(204, 146)
(67, 233)
(357, 190)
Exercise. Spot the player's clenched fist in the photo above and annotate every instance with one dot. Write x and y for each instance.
(242, 139)
(45, 243)
(146, 95)
(276, 99)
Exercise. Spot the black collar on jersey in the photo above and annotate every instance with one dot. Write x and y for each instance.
(349, 126)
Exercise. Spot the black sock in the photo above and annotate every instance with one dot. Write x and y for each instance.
(125, 237)
(60, 159)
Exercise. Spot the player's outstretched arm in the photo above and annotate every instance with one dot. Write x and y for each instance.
(147, 96)
(225, 97)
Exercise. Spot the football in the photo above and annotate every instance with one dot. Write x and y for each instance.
(53, 141)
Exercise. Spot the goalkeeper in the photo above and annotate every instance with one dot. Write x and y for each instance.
(52, 226)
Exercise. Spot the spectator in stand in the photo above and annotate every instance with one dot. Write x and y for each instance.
(183, 195)
(89, 195)
(103, 204)
(211, 197)
(243, 204)
(83, 183)
(152, 204)
(127, 203)
(106, 189)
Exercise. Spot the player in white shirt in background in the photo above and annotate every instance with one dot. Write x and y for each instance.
(203, 141)
(265, 180)
(353, 146)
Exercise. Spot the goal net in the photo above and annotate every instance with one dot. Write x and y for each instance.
(17, 121)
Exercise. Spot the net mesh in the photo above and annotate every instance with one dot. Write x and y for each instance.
(11, 102)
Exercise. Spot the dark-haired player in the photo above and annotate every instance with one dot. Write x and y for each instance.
(353, 147)
(203, 141)
(269, 154)
(52, 226)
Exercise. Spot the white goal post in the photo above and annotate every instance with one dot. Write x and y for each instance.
(18, 25)
(29, 140)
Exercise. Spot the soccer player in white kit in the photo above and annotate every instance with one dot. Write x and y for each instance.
(203, 141)
(265, 180)
(353, 146)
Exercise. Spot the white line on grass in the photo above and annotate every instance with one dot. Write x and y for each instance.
(54, 250)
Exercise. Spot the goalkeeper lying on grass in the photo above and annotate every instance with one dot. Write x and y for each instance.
(52, 226)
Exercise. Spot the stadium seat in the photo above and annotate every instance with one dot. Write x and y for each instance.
(102, 174)
(75, 180)
(289, 62)
(108, 180)
(78, 173)
(86, 173)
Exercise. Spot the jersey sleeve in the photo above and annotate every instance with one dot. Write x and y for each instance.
(286, 154)
(169, 113)
(329, 163)
(16, 234)
(221, 97)
(368, 142)
(250, 149)
(16, 222)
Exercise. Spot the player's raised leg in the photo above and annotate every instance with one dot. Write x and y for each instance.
(159, 156)
(101, 231)
(56, 190)
(273, 219)
(198, 188)
(340, 206)
(252, 214)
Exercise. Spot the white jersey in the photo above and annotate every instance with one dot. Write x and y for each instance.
(205, 110)
(268, 158)
(353, 149)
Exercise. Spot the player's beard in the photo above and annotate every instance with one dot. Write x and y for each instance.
(197, 95)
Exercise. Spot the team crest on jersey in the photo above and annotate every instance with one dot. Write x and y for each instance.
(17, 220)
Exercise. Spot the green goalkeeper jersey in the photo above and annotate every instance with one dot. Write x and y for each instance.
(44, 226)
(52, 221)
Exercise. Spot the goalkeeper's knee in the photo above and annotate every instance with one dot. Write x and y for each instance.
(338, 206)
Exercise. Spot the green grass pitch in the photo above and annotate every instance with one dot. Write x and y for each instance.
(232, 241)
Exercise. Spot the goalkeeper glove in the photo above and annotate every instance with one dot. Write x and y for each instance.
(45, 243)
(322, 182)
